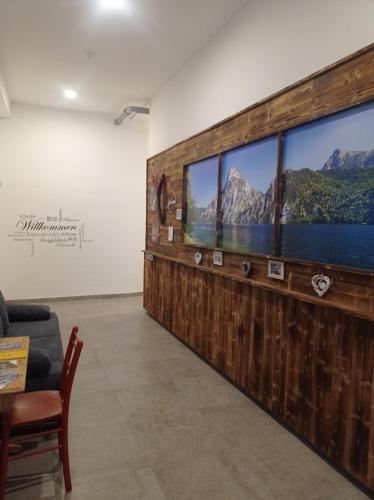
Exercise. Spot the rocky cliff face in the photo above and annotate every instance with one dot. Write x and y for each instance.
(261, 211)
(242, 204)
(344, 160)
(237, 197)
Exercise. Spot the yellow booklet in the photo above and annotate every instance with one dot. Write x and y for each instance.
(13, 354)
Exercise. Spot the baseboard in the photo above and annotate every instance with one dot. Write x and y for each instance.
(75, 297)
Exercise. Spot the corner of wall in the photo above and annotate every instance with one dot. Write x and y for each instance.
(5, 110)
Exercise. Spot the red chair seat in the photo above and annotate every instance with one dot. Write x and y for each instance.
(32, 407)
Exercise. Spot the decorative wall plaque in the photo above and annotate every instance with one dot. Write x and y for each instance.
(321, 284)
(198, 257)
(161, 214)
(246, 268)
(217, 258)
(276, 269)
(155, 179)
(172, 201)
(155, 233)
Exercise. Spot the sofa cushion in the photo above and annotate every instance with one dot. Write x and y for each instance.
(49, 383)
(39, 362)
(35, 329)
(1, 329)
(4, 315)
(45, 335)
(25, 312)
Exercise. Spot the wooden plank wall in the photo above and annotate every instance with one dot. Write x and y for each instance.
(310, 366)
(309, 361)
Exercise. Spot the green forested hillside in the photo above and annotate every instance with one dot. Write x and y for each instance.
(329, 197)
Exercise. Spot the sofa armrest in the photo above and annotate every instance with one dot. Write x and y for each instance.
(26, 312)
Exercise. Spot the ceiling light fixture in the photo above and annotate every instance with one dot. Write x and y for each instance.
(70, 94)
(112, 4)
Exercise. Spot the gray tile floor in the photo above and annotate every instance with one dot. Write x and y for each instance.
(149, 420)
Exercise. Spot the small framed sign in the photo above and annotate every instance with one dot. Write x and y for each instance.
(178, 214)
(276, 269)
(217, 258)
(170, 233)
(155, 233)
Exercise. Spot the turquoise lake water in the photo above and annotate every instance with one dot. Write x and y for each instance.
(350, 245)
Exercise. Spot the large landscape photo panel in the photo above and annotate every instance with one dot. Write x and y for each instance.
(201, 185)
(248, 184)
(328, 201)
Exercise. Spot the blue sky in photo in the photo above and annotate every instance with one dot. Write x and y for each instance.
(257, 162)
(312, 144)
(204, 181)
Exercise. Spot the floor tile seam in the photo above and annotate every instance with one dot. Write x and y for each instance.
(104, 475)
(133, 430)
(101, 425)
(99, 365)
(208, 454)
(164, 497)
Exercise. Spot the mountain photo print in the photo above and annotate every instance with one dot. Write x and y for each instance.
(328, 201)
(201, 184)
(247, 210)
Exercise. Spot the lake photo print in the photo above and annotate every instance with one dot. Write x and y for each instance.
(328, 201)
(201, 184)
(247, 210)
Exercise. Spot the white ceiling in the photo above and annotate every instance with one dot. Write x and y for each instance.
(112, 58)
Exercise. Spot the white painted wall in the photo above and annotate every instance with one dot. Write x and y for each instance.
(83, 164)
(270, 44)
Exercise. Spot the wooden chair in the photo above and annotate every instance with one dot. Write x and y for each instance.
(42, 407)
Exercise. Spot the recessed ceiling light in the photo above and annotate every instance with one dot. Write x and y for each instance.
(70, 94)
(113, 4)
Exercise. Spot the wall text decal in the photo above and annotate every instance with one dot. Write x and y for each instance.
(53, 230)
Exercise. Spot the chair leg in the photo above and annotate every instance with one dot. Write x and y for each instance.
(5, 431)
(60, 445)
(65, 455)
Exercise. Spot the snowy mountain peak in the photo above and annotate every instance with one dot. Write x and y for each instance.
(233, 173)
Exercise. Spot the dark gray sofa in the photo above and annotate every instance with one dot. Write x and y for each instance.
(46, 352)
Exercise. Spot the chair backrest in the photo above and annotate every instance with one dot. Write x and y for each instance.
(69, 368)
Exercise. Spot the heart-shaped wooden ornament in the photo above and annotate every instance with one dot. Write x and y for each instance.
(321, 284)
(198, 257)
(246, 268)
